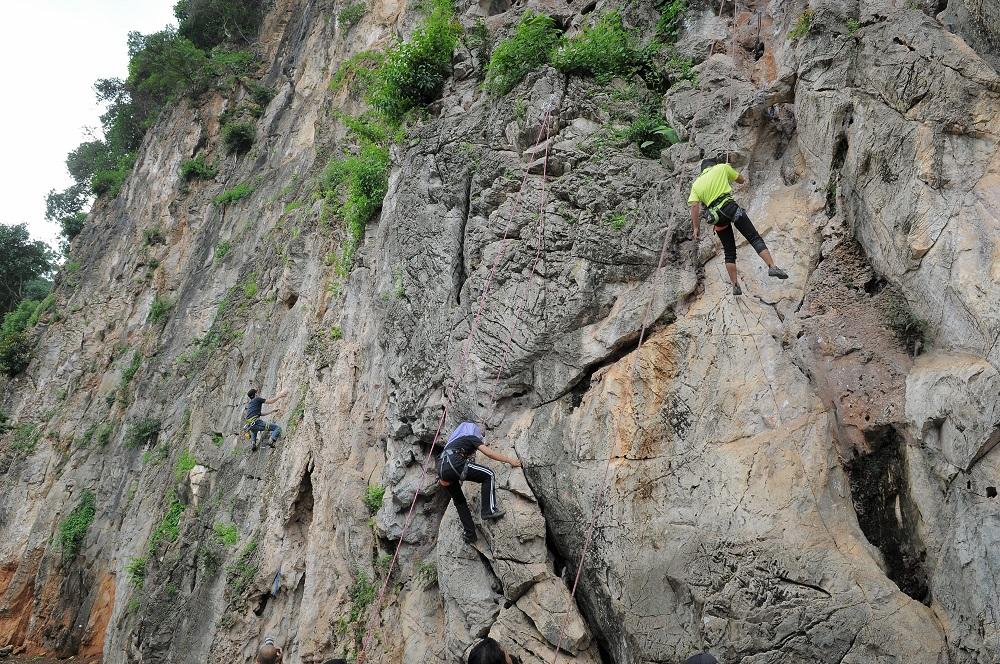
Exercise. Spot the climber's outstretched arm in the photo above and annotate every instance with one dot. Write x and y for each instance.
(496, 456)
(695, 218)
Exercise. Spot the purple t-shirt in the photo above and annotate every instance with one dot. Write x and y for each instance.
(466, 438)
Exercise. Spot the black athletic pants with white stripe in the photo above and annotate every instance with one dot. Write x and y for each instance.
(487, 479)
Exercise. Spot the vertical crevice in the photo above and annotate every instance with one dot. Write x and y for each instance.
(459, 272)
(887, 516)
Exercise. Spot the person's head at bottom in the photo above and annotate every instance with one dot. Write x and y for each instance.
(489, 651)
(269, 653)
(701, 658)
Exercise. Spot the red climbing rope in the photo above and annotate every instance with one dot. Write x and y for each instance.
(449, 393)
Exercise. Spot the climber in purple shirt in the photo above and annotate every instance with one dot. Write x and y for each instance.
(455, 465)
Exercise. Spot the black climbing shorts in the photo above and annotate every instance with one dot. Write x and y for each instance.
(731, 215)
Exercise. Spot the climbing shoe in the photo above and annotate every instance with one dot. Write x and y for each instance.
(777, 272)
(469, 538)
(737, 290)
(271, 444)
(253, 447)
(495, 515)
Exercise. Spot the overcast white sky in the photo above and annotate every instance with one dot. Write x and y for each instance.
(52, 52)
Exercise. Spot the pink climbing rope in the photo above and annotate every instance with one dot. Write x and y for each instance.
(458, 374)
(602, 493)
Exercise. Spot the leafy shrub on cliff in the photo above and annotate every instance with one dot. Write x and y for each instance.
(208, 23)
(160, 309)
(671, 16)
(802, 26)
(74, 527)
(529, 47)
(414, 71)
(912, 331)
(604, 50)
(141, 432)
(354, 187)
(136, 572)
(15, 353)
(239, 192)
(651, 133)
(169, 527)
(241, 574)
(26, 437)
(129, 373)
(373, 497)
(238, 136)
(198, 169)
(185, 462)
(350, 15)
(227, 533)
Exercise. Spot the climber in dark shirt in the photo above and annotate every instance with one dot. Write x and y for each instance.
(489, 651)
(254, 422)
(455, 465)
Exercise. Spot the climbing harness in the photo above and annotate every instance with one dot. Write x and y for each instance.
(450, 457)
(449, 394)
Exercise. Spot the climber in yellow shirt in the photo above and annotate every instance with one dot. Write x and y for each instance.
(712, 189)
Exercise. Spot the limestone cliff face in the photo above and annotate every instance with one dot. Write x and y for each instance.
(772, 478)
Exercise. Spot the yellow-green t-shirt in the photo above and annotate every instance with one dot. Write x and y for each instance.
(712, 183)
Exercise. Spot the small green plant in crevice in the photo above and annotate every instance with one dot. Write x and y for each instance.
(671, 17)
(362, 594)
(218, 439)
(238, 136)
(159, 309)
(185, 462)
(136, 572)
(617, 221)
(802, 27)
(357, 71)
(374, 494)
(336, 333)
(426, 574)
(261, 94)
(479, 41)
(227, 533)
(198, 169)
(350, 14)
(853, 25)
(912, 331)
(250, 288)
(25, 439)
(534, 38)
(129, 372)
(73, 528)
(222, 250)
(651, 133)
(152, 236)
(297, 413)
(141, 432)
(237, 193)
(102, 435)
(169, 528)
(242, 572)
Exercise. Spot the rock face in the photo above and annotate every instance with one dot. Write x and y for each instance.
(771, 478)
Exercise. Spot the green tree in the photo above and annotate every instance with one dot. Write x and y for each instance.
(66, 208)
(208, 23)
(22, 260)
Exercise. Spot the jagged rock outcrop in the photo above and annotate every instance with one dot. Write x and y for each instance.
(773, 477)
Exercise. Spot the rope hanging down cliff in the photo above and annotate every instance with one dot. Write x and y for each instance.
(376, 610)
(602, 491)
